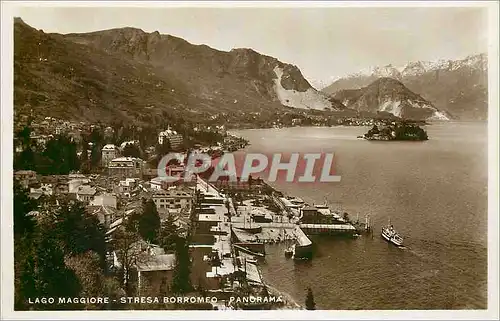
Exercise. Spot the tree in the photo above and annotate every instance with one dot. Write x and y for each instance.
(310, 304)
(25, 159)
(89, 272)
(58, 157)
(24, 136)
(95, 155)
(374, 130)
(124, 244)
(23, 204)
(164, 288)
(84, 159)
(149, 221)
(39, 267)
(111, 288)
(94, 281)
(24, 226)
(97, 139)
(163, 149)
(168, 234)
(131, 150)
(181, 282)
(78, 231)
(40, 271)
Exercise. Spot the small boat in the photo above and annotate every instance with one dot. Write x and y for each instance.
(391, 236)
(289, 251)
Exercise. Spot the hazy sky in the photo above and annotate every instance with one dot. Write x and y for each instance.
(324, 43)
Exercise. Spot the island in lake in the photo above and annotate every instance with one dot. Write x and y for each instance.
(396, 131)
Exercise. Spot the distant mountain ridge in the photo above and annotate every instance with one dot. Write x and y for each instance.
(459, 87)
(418, 68)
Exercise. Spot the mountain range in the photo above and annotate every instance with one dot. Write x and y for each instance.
(130, 74)
(459, 88)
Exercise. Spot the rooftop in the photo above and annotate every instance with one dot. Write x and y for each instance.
(109, 147)
(160, 180)
(338, 227)
(167, 132)
(209, 218)
(172, 193)
(73, 176)
(128, 181)
(25, 172)
(164, 262)
(125, 159)
(86, 190)
(132, 142)
(288, 203)
(302, 238)
(116, 223)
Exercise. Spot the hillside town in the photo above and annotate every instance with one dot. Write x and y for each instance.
(149, 236)
(297, 118)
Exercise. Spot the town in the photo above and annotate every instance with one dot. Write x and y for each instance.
(120, 230)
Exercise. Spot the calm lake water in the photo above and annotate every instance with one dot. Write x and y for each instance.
(435, 194)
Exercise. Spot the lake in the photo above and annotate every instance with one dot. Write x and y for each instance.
(434, 193)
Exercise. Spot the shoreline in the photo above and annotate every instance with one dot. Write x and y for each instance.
(289, 301)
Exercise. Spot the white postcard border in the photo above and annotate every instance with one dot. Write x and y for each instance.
(7, 289)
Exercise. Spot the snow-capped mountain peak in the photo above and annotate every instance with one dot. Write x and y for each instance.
(417, 68)
(459, 87)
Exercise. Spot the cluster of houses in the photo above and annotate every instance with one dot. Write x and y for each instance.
(118, 192)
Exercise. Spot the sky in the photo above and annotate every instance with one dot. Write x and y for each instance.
(325, 43)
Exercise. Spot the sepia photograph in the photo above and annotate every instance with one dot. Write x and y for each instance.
(319, 160)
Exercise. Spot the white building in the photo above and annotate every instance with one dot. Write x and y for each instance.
(159, 183)
(126, 186)
(131, 142)
(85, 193)
(172, 136)
(173, 201)
(109, 152)
(44, 189)
(41, 140)
(105, 214)
(126, 167)
(25, 177)
(75, 183)
(105, 199)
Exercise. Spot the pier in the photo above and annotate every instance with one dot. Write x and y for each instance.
(331, 229)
